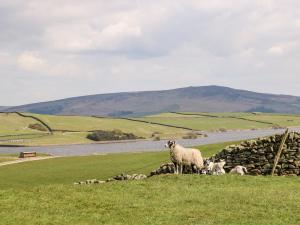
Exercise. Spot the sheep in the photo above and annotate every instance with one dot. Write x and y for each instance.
(214, 168)
(181, 156)
(241, 170)
(218, 168)
(208, 165)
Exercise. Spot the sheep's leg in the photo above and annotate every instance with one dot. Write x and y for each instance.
(175, 168)
(181, 167)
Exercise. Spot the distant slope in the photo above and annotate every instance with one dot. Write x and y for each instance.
(193, 99)
(2, 108)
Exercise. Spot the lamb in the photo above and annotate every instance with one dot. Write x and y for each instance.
(218, 168)
(181, 156)
(241, 170)
(214, 168)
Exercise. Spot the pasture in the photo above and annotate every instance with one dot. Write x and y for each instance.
(228, 121)
(42, 192)
(74, 129)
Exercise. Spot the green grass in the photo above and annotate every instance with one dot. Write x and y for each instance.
(12, 124)
(66, 170)
(199, 122)
(42, 192)
(86, 123)
(7, 158)
(12, 157)
(203, 123)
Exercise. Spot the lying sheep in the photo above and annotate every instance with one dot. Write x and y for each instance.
(241, 170)
(181, 156)
(214, 168)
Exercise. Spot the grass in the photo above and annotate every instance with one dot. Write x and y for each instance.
(12, 157)
(86, 123)
(12, 124)
(168, 199)
(66, 170)
(42, 192)
(202, 122)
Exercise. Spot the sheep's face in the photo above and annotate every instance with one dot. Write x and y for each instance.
(206, 162)
(170, 144)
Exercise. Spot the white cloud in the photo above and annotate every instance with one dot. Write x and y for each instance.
(276, 50)
(85, 37)
(31, 61)
(102, 46)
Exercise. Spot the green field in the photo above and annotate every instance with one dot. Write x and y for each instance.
(42, 192)
(74, 129)
(13, 124)
(229, 121)
(66, 170)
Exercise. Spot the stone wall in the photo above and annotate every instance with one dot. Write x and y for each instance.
(258, 155)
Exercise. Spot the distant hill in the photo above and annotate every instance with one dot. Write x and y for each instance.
(193, 99)
(2, 108)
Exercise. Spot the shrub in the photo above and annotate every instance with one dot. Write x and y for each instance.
(37, 126)
(101, 135)
(190, 135)
(154, 134)
(222, 129)
(156, 138)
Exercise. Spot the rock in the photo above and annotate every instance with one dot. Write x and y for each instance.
(258, 155)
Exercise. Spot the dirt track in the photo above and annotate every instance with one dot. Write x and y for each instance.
(26, 160)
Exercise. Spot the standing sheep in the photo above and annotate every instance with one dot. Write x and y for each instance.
(181, 156)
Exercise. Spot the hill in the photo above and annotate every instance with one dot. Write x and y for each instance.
(2, 108)
(196, 99)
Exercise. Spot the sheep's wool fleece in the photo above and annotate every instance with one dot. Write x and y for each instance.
(186, 156)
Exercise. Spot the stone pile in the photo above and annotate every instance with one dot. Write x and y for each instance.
(116, 178)
(258, 155)
(169, 168)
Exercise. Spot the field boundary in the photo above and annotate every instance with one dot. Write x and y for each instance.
(32, 117)
(161, 124)
(229, 117)
(12, 138)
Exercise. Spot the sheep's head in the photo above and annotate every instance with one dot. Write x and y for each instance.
(170, 144)
(207, 162)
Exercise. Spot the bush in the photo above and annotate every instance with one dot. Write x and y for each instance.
(154, 134)
(37, 126)
(190, 135)
(222, 129)
(101, 135)
(156, 138)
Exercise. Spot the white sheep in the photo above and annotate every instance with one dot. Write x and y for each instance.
(241, 170)
(214, 168)
(218, 168)
(181, 156)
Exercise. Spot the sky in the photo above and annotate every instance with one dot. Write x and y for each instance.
(61, 48)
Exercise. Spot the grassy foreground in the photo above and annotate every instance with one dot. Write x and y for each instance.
(42, 192)
(66, 170)
(168, 199)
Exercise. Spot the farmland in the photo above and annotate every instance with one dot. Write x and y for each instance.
(165, 199)
(15, 129)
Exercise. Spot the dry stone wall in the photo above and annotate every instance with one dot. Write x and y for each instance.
(258, 155)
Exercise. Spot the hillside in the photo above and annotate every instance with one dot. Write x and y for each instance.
(2, 108)
(196, 99)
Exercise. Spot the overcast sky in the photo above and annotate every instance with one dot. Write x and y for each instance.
(55, 49)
